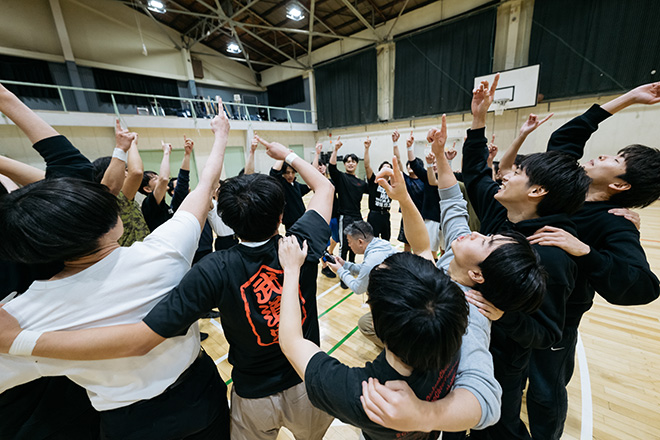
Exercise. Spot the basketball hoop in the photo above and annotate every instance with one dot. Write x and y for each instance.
(499, 105)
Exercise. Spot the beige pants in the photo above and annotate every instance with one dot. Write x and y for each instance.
(261, 419)
(366, 326)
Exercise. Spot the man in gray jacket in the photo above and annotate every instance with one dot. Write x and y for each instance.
(361, 240)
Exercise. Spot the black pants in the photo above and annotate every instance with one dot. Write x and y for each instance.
(345, 251)
(380, 222)
(52, 408)
(550, 370)
(193, 408)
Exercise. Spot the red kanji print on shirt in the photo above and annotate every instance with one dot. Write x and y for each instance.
(262, 295)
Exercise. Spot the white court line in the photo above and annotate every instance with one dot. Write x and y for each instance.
(222, 359)
(587, 407)
(327, 291)
(217, 324)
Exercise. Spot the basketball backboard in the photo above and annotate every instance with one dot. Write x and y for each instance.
(517, 88)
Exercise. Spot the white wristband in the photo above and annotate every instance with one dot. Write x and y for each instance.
(290, 158)
(411, 148)
(120, 154)
(24, 343)
(395, 143)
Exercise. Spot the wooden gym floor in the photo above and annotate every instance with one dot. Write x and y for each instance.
(622, 346)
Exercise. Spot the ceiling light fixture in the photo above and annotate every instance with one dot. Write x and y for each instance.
(294, 12)
(156, 6)
(232, 47)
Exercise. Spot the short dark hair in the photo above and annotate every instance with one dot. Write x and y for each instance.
(3, 190)
(380, 167)
(350, 156)
(419, 313)
(359, 229)
(514, 278)
(565, 181)
(643, 175)
(146, 177)
(55, 220)
(99, 167)
(251, 205)
(286, 166)
(170, 185)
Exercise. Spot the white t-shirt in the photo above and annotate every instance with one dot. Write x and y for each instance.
(218, 226)
(120, 289)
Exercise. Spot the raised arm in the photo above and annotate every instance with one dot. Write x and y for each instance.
(183, 178)
(197, 202)
(115, 174)
(163, 173)
(321, 201)
(410, 147)
(135, 171)
(19, 172)
(295, 347)
(335, 150)
(317, 154)
(509, 156)
(413, 223)
(249, 165)
(335, 174)
(367, 159)
(431, 178)
(395, 145)
(437, 138)
(33, 126)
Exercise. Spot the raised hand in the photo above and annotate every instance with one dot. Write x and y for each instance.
(485, 307)
(338, 144)
(483, 96)
(392, 181)
(646, 94)
(394, 405)
(430, 158)
(367, 143)
(395, 136)
(220, 124)
(629, 215)
(123, 137)
(551, 236)
(274, 149)
(437, 138)
(167, 148)
(188, 145)
(291, 255)
(451, 153)
(532, 123)
(492, 152)
(254, 143)
(410, 140)
(319, 148)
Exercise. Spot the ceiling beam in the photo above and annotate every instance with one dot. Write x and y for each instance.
(303, 31)
(397, 19)
(377, 9)
(246, 55)
(311, 30)
(222, 23)
(258, 17)
(289, 57)
(359, 16)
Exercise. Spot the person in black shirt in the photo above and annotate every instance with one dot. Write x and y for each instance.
(350, 189)
(607, 250)
(154, 186)
(379, 201)
(294, 207)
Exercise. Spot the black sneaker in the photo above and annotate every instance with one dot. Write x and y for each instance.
(343, 285)
(203, 336)
(328, 272)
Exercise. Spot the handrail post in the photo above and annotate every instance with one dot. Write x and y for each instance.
(62, 99)
(114, 104)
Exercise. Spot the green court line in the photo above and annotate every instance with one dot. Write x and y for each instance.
(336, 304)
(338, 344)
(229, 381)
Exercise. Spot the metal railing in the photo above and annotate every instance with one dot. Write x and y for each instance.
(206, 108)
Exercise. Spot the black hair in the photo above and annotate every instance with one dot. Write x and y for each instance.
(170, 186)
(55, 220)
(99, 167)
(359, 229)
(380, 167)
(350, 156)
(146, 177)
(3, 190)
(251, 205)
(514, 278)
(419, 313)
(565, 181)
(643, 175)
(286, 166)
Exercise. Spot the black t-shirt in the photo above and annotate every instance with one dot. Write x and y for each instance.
(349, 191)
(378, 198)
(294, 207)
(155, 214)
(336, 389)
(431, 204)
(245, 283)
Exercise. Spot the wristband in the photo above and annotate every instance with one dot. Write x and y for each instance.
(395, 143)
(290, 158)
(412, 147)
(120, 154)
(24, 343)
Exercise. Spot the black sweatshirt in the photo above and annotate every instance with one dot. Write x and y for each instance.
(349, 190)
(515, 334)
(431, 204)
(294, 207)
(616, 265)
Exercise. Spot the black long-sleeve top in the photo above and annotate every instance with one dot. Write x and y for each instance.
(181, 191)
(431, 204)
(349, 189)
(515, 334)
(616, 266)
(294, 207)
